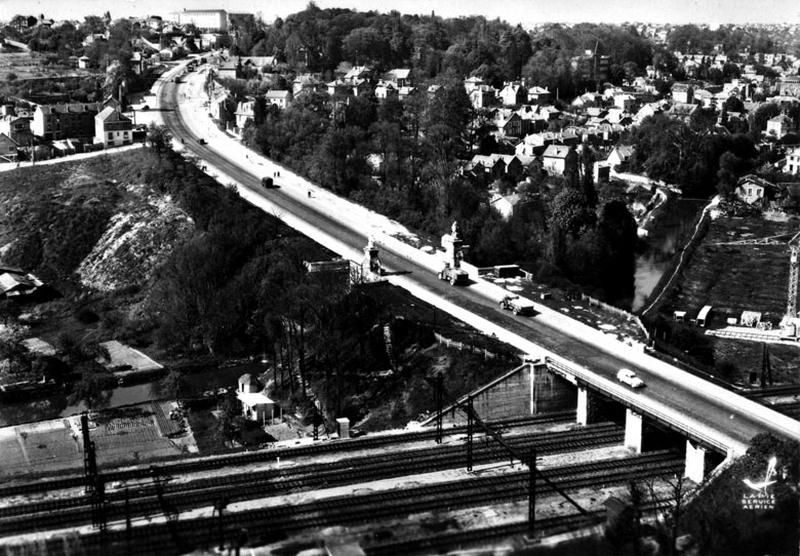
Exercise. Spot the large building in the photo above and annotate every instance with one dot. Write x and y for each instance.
(63, 121)
(204, 20)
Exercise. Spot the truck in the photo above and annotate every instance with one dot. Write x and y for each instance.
(456, 276)
(518, 305)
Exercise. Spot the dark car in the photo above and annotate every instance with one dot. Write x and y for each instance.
(267, 183)
(201, 141)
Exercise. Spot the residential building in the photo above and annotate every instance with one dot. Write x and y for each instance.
(400, 77)
(683, 93)
(483, 96)
(17, 128)
(618, 155)
(538, 95)
(560, 160)
(513, 94)
(245, 112)
(14, 285)
(9, 149)
(751, 189)
(60, 121)
(780, 125)
(279, 98)
(386, 90)
(256, 406)
(792, 164)
(112, 129)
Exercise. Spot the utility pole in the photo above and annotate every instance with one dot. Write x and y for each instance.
(531, 535)
(439, 395)
(470, 432)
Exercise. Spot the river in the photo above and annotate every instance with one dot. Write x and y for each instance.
(670, 228)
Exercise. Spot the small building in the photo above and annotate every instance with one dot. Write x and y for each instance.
(683, 93)
(792, 164)
(779, 126)
(9, 149)
(245, 112)
(256, 405)
(751, 189)
(538, 95)
(279, 98)
(84, 62)
(112, 129)
(19, 286)
(513, 94)
(559, 160)
(618, 155)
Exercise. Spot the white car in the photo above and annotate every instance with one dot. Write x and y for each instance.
(627, 376)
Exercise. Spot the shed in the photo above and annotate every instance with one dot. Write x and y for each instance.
(680, 316)
(703, 315)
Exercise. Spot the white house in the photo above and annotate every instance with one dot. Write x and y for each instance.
(112, 129)
(279, 98)
(792, 165)
(752, 189)
(256, 406)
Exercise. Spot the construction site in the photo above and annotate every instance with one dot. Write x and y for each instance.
(738, 289)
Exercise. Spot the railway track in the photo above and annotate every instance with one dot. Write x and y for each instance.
(204, 464)
(267, 525)
(74, 511)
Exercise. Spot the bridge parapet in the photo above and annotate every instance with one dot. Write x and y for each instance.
(649, 408)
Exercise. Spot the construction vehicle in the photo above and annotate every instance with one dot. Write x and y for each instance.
(456, 276)
(516, 304)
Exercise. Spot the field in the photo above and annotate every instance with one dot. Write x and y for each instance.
(735, 278)
(30, 65)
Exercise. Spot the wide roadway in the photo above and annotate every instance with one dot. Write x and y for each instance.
(703, 410)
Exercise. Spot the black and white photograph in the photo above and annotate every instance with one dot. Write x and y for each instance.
(407, 278)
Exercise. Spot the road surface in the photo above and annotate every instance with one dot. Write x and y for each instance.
(702, 409)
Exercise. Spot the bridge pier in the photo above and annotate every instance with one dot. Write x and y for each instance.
(582, 411)
(633, 430)
(695, 462)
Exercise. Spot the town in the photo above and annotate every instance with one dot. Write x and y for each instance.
(351, 282)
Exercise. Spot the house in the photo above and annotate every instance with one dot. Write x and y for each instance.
(538, 95)
(386, 90)
(137, 63)
(504, 204)
(483, 96)
(305, 82)
(513, 94)
(559, 160)
(792, 164)
(683, 92)
(400, 77)
(624, 101)
(509, 124)
(9, 149)
(682, 111)
(84, 62)
(779, 126)
(256, 405)
(751, 189)
(279, 98)
(17, 128)
(245, 112)
(112, 129)
(14, 285)
(618, 155)
(472, 83)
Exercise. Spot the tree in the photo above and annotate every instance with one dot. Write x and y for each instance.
(730, 168)
(173, 384)
(587, 176)
(159, 138)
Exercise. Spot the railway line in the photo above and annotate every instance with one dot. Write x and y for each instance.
(239, 459)
(272, 524)
(62, 512)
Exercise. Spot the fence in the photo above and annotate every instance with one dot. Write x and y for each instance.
(616, 311)
(461, 346)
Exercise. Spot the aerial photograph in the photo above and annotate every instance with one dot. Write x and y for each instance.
(410, 278)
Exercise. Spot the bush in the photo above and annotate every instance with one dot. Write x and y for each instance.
(86, 316)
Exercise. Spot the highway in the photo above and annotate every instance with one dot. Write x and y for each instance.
(694, 404)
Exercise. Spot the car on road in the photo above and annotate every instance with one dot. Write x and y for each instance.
(627, 376)
(267, 183)
(201, 141)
